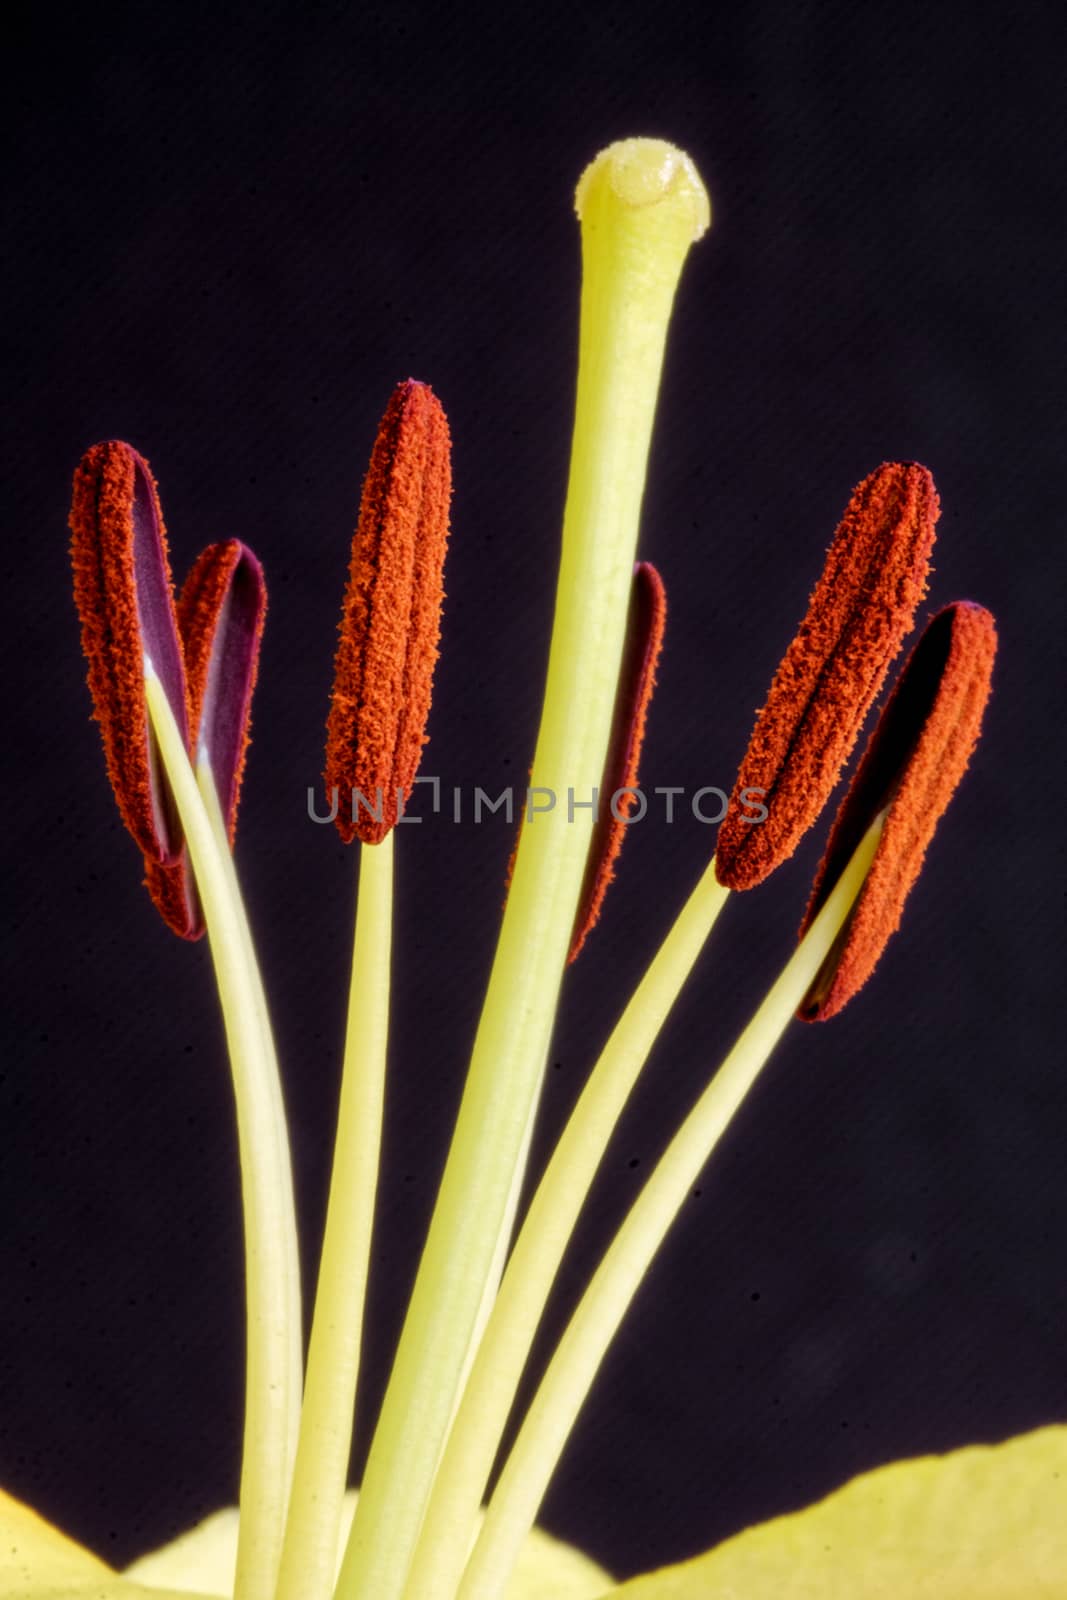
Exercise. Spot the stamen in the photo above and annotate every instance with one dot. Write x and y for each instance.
(857, 618)
(220, 618)
(637, 679)
(390, 624)
(916, 756)
(123, 592)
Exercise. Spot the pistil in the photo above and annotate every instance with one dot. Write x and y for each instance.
(641, 206)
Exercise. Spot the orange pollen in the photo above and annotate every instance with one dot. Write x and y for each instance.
(859, 613)
(915, 758)
(122, 589)
(644, 641)
(390, 623)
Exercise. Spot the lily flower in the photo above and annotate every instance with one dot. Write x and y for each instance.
(172, 688)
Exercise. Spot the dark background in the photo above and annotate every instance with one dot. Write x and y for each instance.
(230, 233)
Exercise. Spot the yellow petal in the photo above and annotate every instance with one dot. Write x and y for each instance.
(202, 1562)
(980, 1524)
(550, 1570)
(37, 1562)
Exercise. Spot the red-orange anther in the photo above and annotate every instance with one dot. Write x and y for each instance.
(172, 890)
(637, 679)
(122, 589)
(390, 624)
(857, 618)
(220, 618)
(915, 758)
(221, 611)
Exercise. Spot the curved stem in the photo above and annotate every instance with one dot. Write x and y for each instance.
(452, 1514)
(294, 1315)
(309, 1555)
(266, 1177)
(574, 1366)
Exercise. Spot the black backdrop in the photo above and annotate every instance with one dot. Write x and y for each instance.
(231, 231)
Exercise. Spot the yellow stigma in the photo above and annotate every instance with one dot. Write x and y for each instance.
(647, 172)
